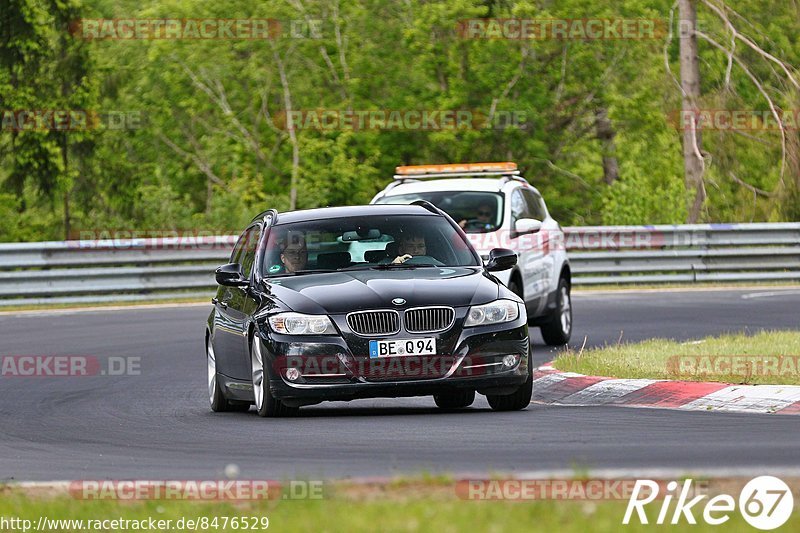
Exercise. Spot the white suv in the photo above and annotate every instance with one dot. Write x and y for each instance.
(498, 208)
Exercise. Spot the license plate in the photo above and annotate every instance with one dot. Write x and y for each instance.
(397, 348)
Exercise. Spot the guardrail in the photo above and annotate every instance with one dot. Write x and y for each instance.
(146, 269)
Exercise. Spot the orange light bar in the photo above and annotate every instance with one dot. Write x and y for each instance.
(455, 168)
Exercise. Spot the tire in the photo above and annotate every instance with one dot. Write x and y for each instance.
(514, 287)
(518, 400)
(266, 404)
(216, 397)
(454, 400)
(558, 328)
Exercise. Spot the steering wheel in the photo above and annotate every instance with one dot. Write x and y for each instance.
(474, 223)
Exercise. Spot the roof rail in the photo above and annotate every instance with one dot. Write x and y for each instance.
(514, 177)
(427, 205)
(264, 214)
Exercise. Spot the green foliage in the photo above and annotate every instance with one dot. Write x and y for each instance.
(211, 148)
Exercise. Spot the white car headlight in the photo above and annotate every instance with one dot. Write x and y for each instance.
(299, 324)
(495, 312)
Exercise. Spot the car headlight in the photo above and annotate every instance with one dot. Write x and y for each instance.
(495, 312)
(299, 324)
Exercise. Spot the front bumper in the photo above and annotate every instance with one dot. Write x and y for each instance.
(339, 367)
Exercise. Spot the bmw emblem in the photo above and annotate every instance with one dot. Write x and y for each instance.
(398, 301)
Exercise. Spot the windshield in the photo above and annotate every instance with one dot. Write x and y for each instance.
(415, 241)
(475, 212)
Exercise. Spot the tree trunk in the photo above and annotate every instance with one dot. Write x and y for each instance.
(287, 104)
(789, 197)
(65, 160)
(690, 83)
(608, 147)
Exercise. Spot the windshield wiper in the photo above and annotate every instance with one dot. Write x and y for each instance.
(303, 272)
(387, 266)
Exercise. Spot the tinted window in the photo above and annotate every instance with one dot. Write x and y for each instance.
(238, 249)
(367, 241)
(535, 205)
(519, 207)
(249, 250)
(475, 212)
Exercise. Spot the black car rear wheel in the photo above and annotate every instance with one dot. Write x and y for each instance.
(455, 400)
(266, 404)
(518, 400)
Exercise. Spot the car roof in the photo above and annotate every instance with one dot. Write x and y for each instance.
(452, 184)
(306, 215)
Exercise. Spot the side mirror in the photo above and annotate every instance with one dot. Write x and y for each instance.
(527, 225)
(501, 259)
(230, 275)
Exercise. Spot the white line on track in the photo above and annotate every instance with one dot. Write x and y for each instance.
(770, 294)
(791, 289)
(98, 309)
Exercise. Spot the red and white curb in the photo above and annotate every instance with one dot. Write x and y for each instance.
(551, 386)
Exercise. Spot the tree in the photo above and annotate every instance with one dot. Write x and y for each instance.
(693, 163)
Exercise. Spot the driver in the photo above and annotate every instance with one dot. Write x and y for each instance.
(409, 246)
(294, 254)
(483, 217)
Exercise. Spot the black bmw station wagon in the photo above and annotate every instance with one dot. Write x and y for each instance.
(360, 302)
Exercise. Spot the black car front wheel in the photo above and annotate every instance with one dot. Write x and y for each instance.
(558, 328)
(266, 404)
(518, 400)
(216, 397)
(455, 400)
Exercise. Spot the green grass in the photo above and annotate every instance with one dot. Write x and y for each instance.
(656, 359)
(417, 513)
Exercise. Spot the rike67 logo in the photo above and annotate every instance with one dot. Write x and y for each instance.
(765, 503)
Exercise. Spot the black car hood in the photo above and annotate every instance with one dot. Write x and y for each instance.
(342, 292)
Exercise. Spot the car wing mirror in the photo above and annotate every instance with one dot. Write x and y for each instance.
(501, 259)
(230, 275)
(527, 225)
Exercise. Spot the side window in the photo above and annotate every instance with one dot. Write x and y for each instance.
(238, 249)
(535, 205)
(249, 248)
(518, 207)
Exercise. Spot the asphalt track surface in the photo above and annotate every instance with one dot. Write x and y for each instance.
(157, 425)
